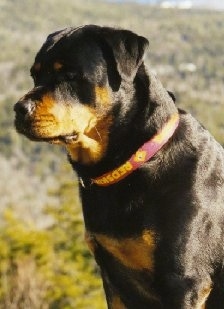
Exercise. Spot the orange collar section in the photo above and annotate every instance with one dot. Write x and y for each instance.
(142, 155)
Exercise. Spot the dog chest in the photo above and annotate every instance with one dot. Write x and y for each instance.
(136, 253)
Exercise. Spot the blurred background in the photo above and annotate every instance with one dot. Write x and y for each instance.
(44, 262)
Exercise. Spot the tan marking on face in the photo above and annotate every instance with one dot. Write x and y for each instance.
(92, 142)
(52, 119)
(136, 253)
(37, 66)
(44, 124)
(102, 96)
(73, 117)
(116, 303)
(57, 66)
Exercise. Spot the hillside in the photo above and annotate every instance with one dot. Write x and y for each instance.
(38, 189)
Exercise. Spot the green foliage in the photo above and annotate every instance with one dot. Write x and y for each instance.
(48, 268)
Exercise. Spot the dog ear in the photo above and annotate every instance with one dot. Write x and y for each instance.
(128, 50)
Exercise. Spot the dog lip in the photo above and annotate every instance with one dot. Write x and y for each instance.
(26, 129)
(69, 138)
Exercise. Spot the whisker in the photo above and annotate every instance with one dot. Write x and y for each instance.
(98, 134)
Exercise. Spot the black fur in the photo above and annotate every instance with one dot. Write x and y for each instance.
(178, 194)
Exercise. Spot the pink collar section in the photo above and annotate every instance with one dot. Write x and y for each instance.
(142, 155)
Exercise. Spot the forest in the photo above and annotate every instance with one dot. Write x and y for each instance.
(44, 261)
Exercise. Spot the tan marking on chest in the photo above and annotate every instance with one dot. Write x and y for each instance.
(136, 253)
(90, 240)
(116, 303)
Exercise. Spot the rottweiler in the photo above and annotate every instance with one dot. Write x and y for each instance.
(151, 176)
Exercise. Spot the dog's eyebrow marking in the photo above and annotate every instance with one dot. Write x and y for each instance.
(37, 66)
(57, 65)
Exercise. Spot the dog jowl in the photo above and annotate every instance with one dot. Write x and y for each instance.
(151, 177)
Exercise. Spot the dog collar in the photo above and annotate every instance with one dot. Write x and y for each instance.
(142, 155)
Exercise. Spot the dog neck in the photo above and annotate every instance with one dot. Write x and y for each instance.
(142, 155)
(146, 122)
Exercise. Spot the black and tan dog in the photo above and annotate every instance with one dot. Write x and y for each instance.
(151, 177)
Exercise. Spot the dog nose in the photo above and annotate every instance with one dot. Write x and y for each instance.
(23, 107)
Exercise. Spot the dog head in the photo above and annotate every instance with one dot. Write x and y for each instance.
(78, 76)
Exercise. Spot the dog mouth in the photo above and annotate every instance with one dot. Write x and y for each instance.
(35, 135)
(60, 139)
(69, 138)
(45, 132)
(79, 129)
(65, 139)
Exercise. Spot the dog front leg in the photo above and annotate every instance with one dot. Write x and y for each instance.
(185, 293)
(113, 299)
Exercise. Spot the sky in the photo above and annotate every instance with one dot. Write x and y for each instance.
(215, 4)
